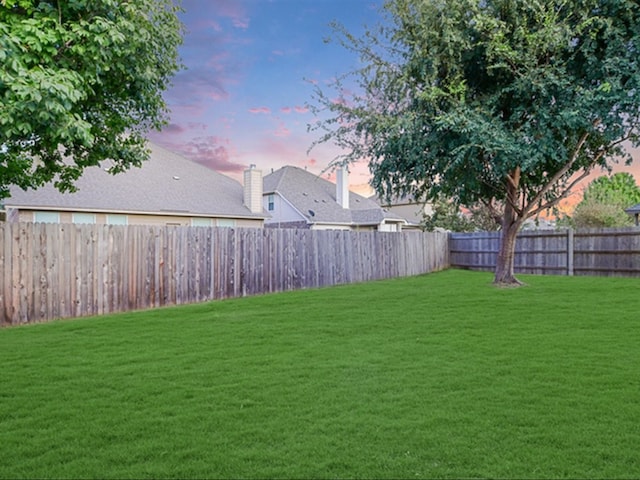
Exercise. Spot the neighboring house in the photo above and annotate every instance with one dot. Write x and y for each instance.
(411, 210)
(296, 198)
(167, 189)
(634, 212)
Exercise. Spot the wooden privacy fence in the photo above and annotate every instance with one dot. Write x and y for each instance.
(606, 252)
(52, 271)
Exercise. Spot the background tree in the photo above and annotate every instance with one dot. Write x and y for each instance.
(502, 101)
(81, 80)
(448, 215)
(605, 200)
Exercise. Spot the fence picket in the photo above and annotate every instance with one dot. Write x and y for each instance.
(610, 252)
(59, 271)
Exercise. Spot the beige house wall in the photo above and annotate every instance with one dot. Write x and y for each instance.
(149, 219)
(384, 227)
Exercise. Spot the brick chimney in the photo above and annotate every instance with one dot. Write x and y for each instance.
(253, 189)
(342, 187)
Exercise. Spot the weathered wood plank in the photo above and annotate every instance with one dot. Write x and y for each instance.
(57, 271)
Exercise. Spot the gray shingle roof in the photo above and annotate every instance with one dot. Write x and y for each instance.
(633, 210)
(167, 183)
(308, 193)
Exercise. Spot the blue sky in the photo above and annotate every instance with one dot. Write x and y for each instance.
(251, 68)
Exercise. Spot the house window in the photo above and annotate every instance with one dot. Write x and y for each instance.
(117, 220)
(201, 222)
(226, 222)
(83, 218)
(46, 217)
(272, 202)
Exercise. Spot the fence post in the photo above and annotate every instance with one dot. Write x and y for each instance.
(570, 252)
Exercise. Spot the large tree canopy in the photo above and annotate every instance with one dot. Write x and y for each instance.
(81, 80)
(502, 102)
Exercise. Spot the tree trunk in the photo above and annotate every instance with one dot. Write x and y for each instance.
(510, 225)
(506, 255)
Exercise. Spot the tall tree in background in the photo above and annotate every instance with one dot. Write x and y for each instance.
(82, 80)
(605, 200)
(506, 102)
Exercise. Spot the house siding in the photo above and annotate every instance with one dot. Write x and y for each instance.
(283, 214)
(328, 226)
(142, 219)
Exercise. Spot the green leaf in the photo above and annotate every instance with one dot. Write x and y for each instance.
(65, 68)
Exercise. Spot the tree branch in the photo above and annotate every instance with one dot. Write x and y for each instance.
(567, 190)
(513, 196)
(561, 172)
(563, 195)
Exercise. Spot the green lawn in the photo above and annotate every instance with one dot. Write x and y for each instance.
(440, 375)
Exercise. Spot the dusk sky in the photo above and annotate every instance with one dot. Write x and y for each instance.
(251, 68)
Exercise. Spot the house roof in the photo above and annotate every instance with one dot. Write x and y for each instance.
(633, 210)
(315, 198)
(165, 184)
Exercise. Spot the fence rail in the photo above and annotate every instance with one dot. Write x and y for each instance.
(606, 252)
(52, 271)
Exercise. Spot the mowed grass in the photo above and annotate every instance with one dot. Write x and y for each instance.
(440, 375)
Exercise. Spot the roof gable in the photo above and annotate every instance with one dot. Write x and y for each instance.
(315, 198)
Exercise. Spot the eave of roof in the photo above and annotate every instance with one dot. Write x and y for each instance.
(634, 209)
(173, 213)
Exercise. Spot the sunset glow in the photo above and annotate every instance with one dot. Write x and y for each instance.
(251, 70)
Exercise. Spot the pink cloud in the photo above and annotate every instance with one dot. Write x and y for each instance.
(172, 136)
(258, 110)
(282, 131)
(279, 151)
(190, 86)
(297, 109)
(206, 24)
(174, 128)
(234, 10)
(197, 126)
(284, 151)
(212, 152)
(208, 75)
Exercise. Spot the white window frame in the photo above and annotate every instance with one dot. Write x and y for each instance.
(201, 222)
(117, 219)
(46, 217)
(79, 218)
(226, 222)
